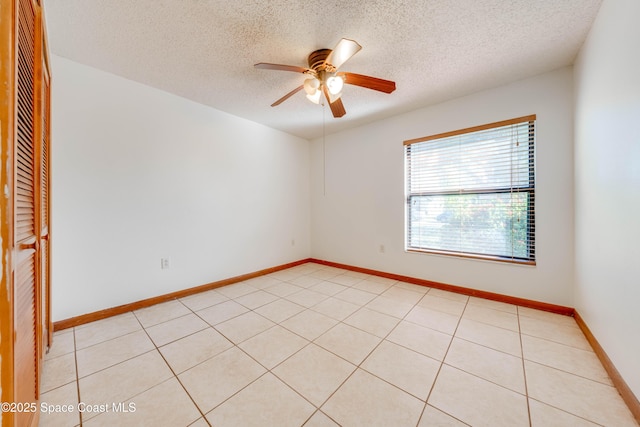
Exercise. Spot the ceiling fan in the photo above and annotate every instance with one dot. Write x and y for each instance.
(323, 77)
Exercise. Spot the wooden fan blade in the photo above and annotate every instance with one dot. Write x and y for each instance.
(280, 67)
(386, 86)
(287, 96)
(337, 108)
(344, 50)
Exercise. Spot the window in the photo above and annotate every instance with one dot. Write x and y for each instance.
(472, 192)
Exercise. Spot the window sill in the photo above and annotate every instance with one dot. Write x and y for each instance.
(472, 256)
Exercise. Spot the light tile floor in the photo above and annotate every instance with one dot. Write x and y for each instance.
(320, 346)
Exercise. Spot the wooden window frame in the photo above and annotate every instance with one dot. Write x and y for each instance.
(529, 190)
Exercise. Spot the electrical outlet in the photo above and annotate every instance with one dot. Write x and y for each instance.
(164, 263)
(293, 242)
(381, 249)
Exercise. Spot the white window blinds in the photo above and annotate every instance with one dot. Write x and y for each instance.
(472, 192)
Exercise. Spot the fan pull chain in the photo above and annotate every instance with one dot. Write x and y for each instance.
(324, 153)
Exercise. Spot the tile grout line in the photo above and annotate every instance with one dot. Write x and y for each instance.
(318, 408)
(571, 373)
(520, 334)
(550, 367)
(524, 371)
(110, 339)
(170, 368)
(113, 339)
(382, 340)
(267, 370)
(75, 358)
(453, 336)
(309, 342)
(570, 413)
(359, 366)
(234, 299)
(161, 355)
(198, 364)
(356, 366)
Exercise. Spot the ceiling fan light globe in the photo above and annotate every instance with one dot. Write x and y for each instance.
(333, 98)
(315, 97)
(335, 85)
(311, 86)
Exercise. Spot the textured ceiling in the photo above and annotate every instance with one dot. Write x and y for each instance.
(204, 50)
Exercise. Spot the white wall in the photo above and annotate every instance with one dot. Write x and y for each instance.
(607, 158)
(358, 196)
(139, 174)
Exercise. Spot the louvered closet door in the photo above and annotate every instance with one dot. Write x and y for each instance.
(25, 279)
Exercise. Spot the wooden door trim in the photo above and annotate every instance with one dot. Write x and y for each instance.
(37, 178)
(46, 78)
(7, 114)
(45, 233)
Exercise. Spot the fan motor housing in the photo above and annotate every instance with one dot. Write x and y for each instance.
(316, 59)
